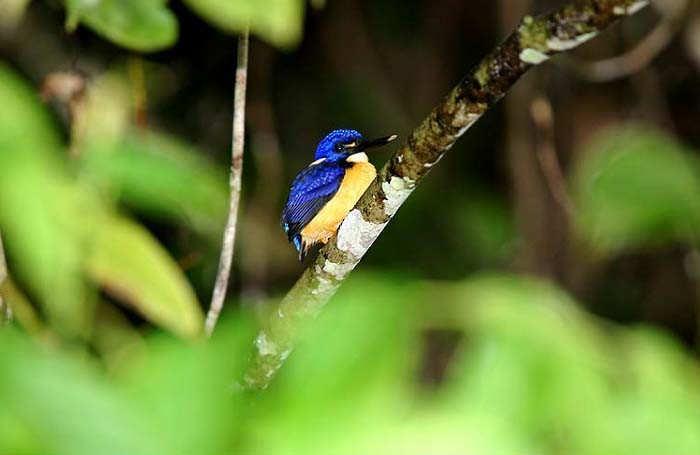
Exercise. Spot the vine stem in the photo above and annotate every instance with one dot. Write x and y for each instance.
(5, 310)
(237, 142)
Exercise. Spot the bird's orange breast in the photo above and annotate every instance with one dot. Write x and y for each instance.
(356, 180)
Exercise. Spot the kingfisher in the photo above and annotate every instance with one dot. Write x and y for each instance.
(323, 194)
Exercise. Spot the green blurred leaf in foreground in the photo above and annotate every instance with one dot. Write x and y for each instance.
(636, 188)
(37, 208)
(140, 25)
(531, 374)
(55, 403)
(277, 21)
(63, 241)
(130, 264)
(149, 172)
(169, 399)
(11, 13)
(161, 177)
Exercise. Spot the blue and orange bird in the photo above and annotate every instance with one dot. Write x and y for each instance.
(323, 194)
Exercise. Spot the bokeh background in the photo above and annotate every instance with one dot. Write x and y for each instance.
(538, 293)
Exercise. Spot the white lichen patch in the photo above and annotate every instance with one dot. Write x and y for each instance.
(396, 191)
(265, 346)
(557, 44)
(636, 6)
(533, 56)
(464, 120)
(399, 158)
(356, 235)
(284, 354)
(323, 285)
(436, 161)
(633, 8)
(338, 271)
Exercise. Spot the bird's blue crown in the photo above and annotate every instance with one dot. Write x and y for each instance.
(330, 146)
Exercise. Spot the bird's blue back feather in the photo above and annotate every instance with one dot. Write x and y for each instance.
(311, 190)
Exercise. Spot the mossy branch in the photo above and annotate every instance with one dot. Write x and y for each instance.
(534, 41)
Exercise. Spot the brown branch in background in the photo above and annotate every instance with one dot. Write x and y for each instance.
(673, 13)
(533, 42)
(237, 140)
(5, 310)
(692, 40)
(536, 223)
(139, 94)
(541, 112)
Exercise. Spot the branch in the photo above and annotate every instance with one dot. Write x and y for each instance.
(543, 118)
(642, 54)
(532, 43)
(219, 294)
(5, 310)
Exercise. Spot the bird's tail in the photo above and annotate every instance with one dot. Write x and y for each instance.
(300, 245)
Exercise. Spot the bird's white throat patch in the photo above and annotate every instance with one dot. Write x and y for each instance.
(318, 161)
(357, 158)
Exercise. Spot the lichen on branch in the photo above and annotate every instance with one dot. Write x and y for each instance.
(534, 41)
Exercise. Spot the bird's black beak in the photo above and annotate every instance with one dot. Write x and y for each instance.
(367, 145)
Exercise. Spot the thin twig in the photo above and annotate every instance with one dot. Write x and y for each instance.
(222, 277)
(541, 112)
(534, 41)
(5, 310)
(642, 54)
(529, 197)
(139, 94)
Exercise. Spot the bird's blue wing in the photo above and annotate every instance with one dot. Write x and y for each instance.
(311, 190)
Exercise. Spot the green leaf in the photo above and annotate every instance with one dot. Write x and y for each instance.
(23, 312)
(550, 372)
(11, 13)
(140, 25)
(664, 395)
(57, 404)
(161, 177)
(20, 112)
(277, 21)
(41, 210)
(637, 188)
(188, 390)
(133, 267)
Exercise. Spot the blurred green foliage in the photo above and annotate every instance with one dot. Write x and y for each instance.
(157, 176)
(65, 235)
(637, 188)
(11, 11)
(531, 374)
(149, 25)
(277, 21)
(142, 25)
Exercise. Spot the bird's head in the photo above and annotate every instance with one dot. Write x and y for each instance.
(340, 145)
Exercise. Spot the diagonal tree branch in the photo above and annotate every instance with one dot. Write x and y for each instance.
(532, 43)
(238, 134)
